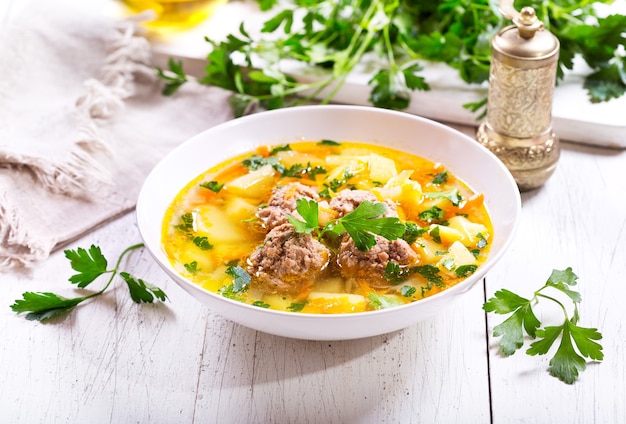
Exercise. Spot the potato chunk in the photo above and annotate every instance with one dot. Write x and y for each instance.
(255, 184)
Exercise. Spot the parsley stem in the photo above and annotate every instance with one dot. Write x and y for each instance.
(117, 267)
(539, 294)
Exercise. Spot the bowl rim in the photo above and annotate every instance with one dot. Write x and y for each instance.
(461, 287)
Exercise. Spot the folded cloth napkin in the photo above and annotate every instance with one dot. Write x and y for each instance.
(82, 122)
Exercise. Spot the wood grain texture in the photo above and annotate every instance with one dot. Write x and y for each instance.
(115, 361)
(577, 219)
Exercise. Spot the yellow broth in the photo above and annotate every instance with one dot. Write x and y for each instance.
(212, 227)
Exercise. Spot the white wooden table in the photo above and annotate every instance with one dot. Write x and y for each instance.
(112, 361)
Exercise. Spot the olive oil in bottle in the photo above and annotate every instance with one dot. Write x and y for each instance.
(175, 14)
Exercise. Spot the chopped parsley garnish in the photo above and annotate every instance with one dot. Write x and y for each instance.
(283, 148)
(241, 278)
(214, 186)
(432, 215)
(465, 270)
(395, 274)
(440, 178)
(192, 267)
(257, 161)
(329, 143)
(412, 232)
(296, 307)
(186, 222)
(434, 233)
(202, 243)
(408, 291)
(430, 273)
(260, 304)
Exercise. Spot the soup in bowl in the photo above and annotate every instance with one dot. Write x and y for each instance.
(328, 222)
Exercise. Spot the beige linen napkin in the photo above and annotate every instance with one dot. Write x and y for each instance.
(82, 122)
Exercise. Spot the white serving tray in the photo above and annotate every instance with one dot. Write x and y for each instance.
(574, 117)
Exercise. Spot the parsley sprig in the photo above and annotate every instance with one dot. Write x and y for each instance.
(361, 224)
(576, 342)
(336, 35)
(89, 264)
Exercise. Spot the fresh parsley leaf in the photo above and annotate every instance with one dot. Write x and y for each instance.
(282, 148)
(432, 215)
(260, 304)
(440, 178)
(257, 161)
(309, 210)
(174, 78)
(336, 35)
(241, 279)
(42, 306)
(435, 234)
(202, 243)
(186, 222)
(214, 186)
(465, 270)
(408, 291)
(412, 232)
(296, 307)
(191, 267)
(430, 273)
(364, 221)
(141, 291)
(395, 274)
(329, 143)
(90, 265)
(576, 342)
(296, 170)
(314, 171)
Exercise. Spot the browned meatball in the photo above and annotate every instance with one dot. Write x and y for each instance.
(348, 200)
(287, 262)
(371, 265)
(283, 203)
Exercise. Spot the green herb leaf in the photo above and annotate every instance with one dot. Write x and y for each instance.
(202, 243)
(296, 307)
(432, 215)
(309, 210)
(44, 305)
(241, 279)
(576, 342)
(141, 291)
(363, 221)
(214, 186)
(379, 301)
(90, 265)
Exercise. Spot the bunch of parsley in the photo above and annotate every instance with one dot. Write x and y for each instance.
(336, 35)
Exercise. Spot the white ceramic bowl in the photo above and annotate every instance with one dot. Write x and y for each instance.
(460, 154)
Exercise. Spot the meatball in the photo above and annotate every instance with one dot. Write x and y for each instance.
(287, 262)
(371, 265)
(348, 200)
(283, 203)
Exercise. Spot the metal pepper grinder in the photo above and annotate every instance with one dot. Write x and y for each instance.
(518, 126)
